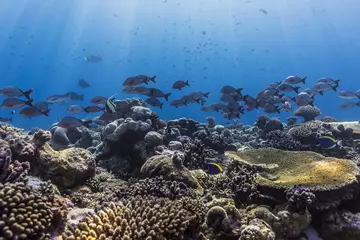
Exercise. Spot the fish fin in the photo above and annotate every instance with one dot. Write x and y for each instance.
(296, 89)
(187, 83)
(146, 82)
(198, 101)
(85, 110)
(334, 87)
(206, 94)
(303, 80)
(321, 93)
(13, 112)
(153, 79)
(277, 109)
(161, 105)
(27, 93)
(311, 103)
(337, 81)
(46, 112)
(166, 96)
(29, 103)
(239, 90)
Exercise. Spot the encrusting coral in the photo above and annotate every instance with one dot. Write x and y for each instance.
(142, 218)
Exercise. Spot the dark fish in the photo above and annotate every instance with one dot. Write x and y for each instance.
(42, 106)
(93, 59)
(71, 122)
(93, 109)
(157, 93)
(213, 169)
(154, 102)
(13, 102)
(199, 95)
(188, 100)
(136, 90)
(207, 109)
(177, 103)
(75, 109)
(75, 96)
(271, 108)
(220, 106)
(231, 90)
(107, 117)
(10, 91)
(99, 100)
(33, 112)
(284, 87)
(329, 81)
(83, 84)
(227, 98)
(5, 120)
(180, 84)
(57, 99)
(137, 80)
(250, 101)
(263, 11)
(328, 142)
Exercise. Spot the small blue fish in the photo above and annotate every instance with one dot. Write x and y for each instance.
(328, 142)
(213, 169)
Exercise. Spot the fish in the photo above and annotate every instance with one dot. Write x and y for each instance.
(13, 102)
(271, 108)
(180, 84)
(294, 80)
(286, 99)
(263, 11)
(322, 86)
(136, 90)
(157, 93)
(207, 109)
(93, 109)
(71, 122)
(303, 99)
(42, 106)
(213, 169)
(57, 99)
(154, 102)
(99, 100)
(274, 84)
(227, 98)
(74, 96)
(220, 106)
(328, 142)
(284, 87)
(348, 94)
(199, 95)
(108, 117)
(177, 103)
(231, 90)
(274, 100)
(93, 59)
(348, 105)
(6, 120)
(328, 81)
(83, 84)
(33, 112)
(286, 106)
(110, 106)
(137, 80)
(250, 101)
(188, 100)
(10, 91)
(313, 92)
(75, 109)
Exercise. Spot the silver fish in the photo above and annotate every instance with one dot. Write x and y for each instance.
(294, 80)
(58, 99)
(303, 99)
(71, 122)
(74, 109)
(99, 100)
(10, 91)
(284, 87)
(33, 112)
(348, 94)
(347, 105)
(322, 86)
(328, 81)
(13, 102)
(286, 106)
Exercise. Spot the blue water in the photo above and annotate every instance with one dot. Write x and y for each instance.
(210, 43)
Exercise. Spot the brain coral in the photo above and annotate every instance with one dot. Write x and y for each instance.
(330, 179)
(142, 218)
(25, 214)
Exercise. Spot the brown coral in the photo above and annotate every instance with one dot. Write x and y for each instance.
(142, 218)
(25, 214)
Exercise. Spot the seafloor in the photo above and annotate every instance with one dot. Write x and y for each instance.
(140, 177)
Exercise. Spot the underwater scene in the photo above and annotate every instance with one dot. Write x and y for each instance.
(179, 119)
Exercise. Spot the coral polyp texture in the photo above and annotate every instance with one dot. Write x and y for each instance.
(142, 218)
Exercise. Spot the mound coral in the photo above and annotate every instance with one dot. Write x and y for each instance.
(25, 214)
(330, 179)
(197, 155)
(143, 218)
(280, 140)
(308, 112)
(257, 229)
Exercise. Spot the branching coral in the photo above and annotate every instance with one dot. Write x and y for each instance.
(299, 198)
(280, 140)
(197, 155)
(25, 214)
(143, 218)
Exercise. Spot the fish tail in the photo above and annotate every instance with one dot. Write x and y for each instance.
(167, 96)
(46, 112)
(29, 103)
(153, 79)
(296, 89)
(337, 81)
(321, 93)
(187, 83)
(84, 109)
(311, 103)
(239, 90)
(206, 94)
(334, 87)
(28, 92)
(303, 80)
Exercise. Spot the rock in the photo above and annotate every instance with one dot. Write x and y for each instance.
(153, 139)
(109, 128)
(355, 126)
(175, 146)
(341, 225)
(219, 128)
(161, 165)
(140, 113)
(66, 168)
(129, 127)
(330, 179)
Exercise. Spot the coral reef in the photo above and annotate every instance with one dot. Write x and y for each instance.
(197, 154)
(308, 112)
